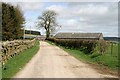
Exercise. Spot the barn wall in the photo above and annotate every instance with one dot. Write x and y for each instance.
(101, 37)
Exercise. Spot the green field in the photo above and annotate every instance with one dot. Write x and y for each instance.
(107, 60)
(18, 62)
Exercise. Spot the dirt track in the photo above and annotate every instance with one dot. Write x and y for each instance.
(53, 62)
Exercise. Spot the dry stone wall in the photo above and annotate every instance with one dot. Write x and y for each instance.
(12, 48)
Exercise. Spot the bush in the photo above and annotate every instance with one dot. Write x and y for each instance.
(102, 45)
(88, 46)
(51, 39)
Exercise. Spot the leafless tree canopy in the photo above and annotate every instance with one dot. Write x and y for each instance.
(48, 21)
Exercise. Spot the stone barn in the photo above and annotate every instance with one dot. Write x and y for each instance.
(93, 36)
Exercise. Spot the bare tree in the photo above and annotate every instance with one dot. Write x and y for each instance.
(48, 22)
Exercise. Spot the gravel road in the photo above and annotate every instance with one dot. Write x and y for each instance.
(53, 62)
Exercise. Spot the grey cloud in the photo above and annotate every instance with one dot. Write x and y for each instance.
(29, 6)
(90, 16)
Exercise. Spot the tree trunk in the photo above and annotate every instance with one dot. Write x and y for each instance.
(102, 53)
(47, 34)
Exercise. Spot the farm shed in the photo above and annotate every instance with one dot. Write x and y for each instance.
(94, 36)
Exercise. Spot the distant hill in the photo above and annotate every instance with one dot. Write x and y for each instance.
(111, 38)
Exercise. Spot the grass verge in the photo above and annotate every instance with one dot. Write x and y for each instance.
(18, 62)
(107, 60)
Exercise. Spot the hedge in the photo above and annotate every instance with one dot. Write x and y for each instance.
(88, 45)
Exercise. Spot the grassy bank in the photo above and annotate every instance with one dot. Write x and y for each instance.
(18, 62)
(107, 60)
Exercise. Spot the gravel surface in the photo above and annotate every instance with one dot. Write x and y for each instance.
(53, 62)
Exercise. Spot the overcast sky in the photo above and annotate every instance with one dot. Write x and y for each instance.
(93, 17)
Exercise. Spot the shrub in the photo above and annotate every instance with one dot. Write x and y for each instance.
(102, 45)
(51, 39)
(88, 46)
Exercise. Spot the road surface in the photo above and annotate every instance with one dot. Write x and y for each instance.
(53, 62)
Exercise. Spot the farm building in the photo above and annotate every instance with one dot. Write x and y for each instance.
(94, 36)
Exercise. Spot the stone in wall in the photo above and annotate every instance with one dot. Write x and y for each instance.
(13, 48)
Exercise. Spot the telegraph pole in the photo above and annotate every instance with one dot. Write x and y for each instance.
(24, 32)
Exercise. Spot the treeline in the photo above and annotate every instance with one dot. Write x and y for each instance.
(32, 32)
(89, 46)
(12, 22)
(111, 38)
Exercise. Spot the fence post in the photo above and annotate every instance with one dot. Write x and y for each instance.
(112, 49)
(98, 47)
